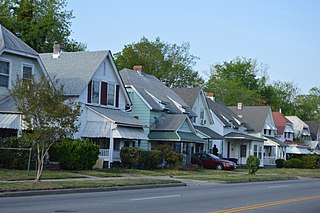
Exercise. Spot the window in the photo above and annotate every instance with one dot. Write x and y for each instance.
(111, 94)
(95, 91)
(201, 113)
(260, 152)
(4, 73)
(27, 72)
(264, 131)
(269, 131)
(243, 151)
(255, 150)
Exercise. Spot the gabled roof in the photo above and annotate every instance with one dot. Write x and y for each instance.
(10, 42)
(314, 128)
(254, 115)
(212, 134)
(280, 121)
(189, 95)
(117, 116)
(74, 70)
(152, 89)
(224, 114)
(168, 122)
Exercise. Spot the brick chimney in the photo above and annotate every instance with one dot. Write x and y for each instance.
(139, 69)
(211, 96)
(57, 50)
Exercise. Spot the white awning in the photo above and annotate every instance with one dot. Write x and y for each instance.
(129, 133)
(10, 121)
(96, 129)
(297, 150)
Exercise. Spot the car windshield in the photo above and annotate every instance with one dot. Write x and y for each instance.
(213, 156)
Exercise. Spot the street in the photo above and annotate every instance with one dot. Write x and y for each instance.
(281, 196)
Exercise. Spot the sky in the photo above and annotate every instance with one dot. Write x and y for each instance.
(283, 35)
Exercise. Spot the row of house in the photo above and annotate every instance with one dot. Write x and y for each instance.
(129, 108)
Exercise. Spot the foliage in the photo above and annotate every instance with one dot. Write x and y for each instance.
(75, 154)
(132, 157)
(293, 163)
(39, 23)
(279, 163)
(310, 161)
(170, 62)
(48, 117)
(252, 164)
(235, 81)
(171, 157)
(15, 159)
(308, 106)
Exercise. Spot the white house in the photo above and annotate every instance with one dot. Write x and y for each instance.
(17, 59)
(91, 78)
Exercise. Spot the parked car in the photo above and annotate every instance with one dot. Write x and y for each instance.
(210, 161)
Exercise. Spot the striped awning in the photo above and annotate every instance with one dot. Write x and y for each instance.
(96, 129)
(10, 121)
(297, 150)
(129, 133)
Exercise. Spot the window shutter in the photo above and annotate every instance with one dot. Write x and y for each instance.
(117, 95)
(89, 91)
(104, 87)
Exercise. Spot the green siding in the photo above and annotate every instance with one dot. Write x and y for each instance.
(185, 127)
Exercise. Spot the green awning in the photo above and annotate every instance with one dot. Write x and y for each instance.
(174, 136)
(190, 137)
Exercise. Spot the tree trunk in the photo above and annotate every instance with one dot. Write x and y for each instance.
(40, 162)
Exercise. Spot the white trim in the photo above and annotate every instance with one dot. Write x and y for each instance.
(10, 71)
(134, 89)
(25, 64)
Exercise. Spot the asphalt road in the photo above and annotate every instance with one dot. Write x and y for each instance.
(283, 196)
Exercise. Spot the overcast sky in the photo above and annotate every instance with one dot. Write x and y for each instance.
(284, 34)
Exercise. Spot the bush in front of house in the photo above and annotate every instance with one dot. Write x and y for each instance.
(279, 163)
(310, 161)
(12, 158)
(293, 163)
(172, 158)
(252, 164)
(75, 154)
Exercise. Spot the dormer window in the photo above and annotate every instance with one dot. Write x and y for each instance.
(27, 71)
(95, 92)
(4, 73)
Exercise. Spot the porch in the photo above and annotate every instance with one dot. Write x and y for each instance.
(105, 155)
(269, 160)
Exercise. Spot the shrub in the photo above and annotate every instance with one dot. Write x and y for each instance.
(15, 159)
(253, 164)
(154, 159)
(296, 163)
(279, 163)
(309, 161)
(293, 163)
(172, 158)
(139, 158)
(75, 154)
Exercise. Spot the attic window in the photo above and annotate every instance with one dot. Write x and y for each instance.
(4, 73)
(27, 71)
(95, 91)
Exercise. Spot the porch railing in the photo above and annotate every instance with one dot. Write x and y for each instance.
(104, 153)
(269, 160)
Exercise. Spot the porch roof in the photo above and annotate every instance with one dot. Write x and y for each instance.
(241, 136)
(130, 133)
(271, 141)
(10, 121)
(207, 131)
(297, 150)
(175, 136)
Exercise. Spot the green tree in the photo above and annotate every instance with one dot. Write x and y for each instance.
(170, 62)
(39, 23)
(307, 106)
(48, 116)
(235, 81)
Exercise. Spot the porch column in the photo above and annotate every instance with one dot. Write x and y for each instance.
(277, 154)
(111, 147)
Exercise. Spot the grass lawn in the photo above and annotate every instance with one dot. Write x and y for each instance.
(47, 185)
(13, 174)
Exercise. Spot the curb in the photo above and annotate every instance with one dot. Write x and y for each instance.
(86, 190)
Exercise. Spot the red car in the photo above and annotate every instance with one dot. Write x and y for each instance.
(210, 161)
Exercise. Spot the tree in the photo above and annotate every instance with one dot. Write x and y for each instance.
(39, 23)
(307, 106)
(169, 62)
(235, 81)
(48, 116)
